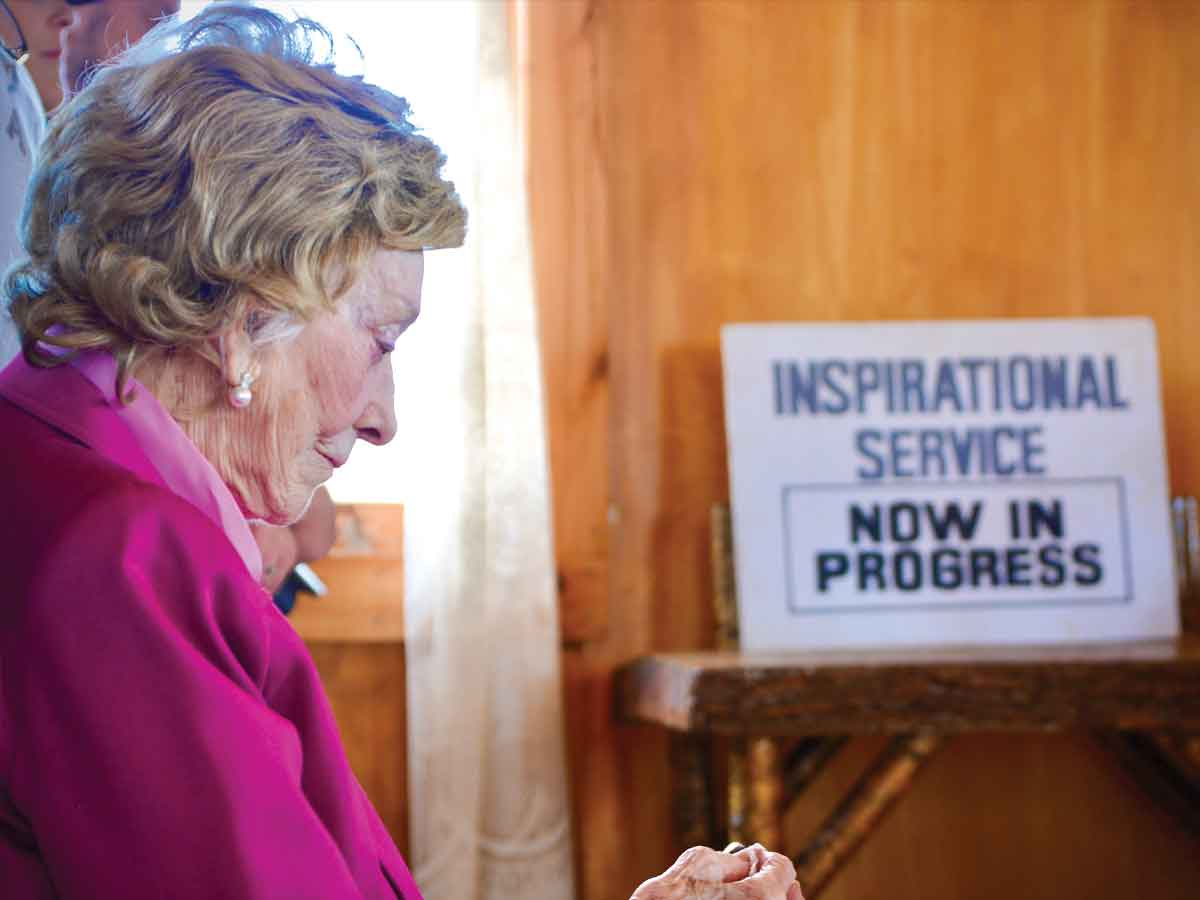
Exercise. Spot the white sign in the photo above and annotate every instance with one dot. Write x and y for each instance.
(956, 482)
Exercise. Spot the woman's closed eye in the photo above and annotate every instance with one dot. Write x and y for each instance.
(385, 338)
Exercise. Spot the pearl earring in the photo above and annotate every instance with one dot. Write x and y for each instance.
(240, 396)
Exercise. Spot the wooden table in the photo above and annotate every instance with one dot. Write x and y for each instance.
(1142, 700)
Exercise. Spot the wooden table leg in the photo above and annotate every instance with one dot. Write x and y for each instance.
(692, 816)
(737, 795)
(1183, 749)
(1164, 765)
(755, 792)
(764, 771)
(862, 809)
(805, 762)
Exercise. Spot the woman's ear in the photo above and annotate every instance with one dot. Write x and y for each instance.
(235, 354)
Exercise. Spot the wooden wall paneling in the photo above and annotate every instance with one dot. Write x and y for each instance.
(992, 816)
(762, 160)
(366, 687)
(567, 181)
(568, 213)
(364, 572)
(355, 635)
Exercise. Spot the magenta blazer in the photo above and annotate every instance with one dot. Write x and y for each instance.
(163, 732)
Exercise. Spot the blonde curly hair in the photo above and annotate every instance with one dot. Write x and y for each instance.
(219, 172)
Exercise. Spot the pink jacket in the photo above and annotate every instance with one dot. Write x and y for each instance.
(163, 732)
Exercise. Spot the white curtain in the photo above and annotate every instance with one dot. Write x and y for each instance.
(488, 787)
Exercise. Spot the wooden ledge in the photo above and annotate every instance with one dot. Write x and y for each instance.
(364, 572)
(1149, 685)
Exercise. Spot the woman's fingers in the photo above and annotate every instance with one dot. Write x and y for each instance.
(702, 873)
(773, 878)
(706, 864)
(757, 854)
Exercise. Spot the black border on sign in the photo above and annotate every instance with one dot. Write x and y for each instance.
(952, 606)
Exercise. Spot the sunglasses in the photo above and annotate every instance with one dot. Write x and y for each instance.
(12, 38)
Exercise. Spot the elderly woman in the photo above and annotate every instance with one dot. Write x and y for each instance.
(224, 244)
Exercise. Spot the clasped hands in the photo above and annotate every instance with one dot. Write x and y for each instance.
(702, 873)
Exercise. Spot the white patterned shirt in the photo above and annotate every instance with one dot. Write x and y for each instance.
(22, 126)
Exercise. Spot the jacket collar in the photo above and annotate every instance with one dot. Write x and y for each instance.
(62, 397)
(79, 398)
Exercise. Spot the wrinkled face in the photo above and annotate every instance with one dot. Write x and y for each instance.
(102, 29)
(319, 393)
(41, 22)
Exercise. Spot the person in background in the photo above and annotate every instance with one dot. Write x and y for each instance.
(22, 124)
(306, 541)
(41, 22)
(100, 29)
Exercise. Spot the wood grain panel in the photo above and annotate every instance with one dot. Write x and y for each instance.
(1037, 816)
(768, 160)
(364, 572)
(366, 687)
(567, 209)
(355, 635)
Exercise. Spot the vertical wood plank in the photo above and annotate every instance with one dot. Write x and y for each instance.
(691, 791)
(567, 208)
(365, 684)
(765, 770)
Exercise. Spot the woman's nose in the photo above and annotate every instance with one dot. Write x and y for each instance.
(377, 424)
